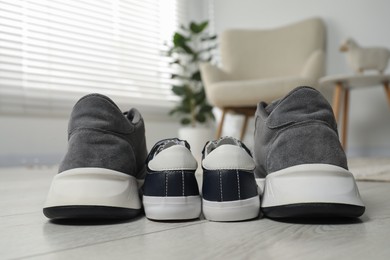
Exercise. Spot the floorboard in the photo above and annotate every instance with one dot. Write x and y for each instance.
(27, 234)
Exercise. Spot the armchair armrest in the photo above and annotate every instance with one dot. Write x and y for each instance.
(211, 74)
(315, 65)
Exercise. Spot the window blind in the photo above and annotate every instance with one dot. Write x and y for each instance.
(52, 52)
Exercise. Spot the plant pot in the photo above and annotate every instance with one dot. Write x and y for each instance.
(197, 138)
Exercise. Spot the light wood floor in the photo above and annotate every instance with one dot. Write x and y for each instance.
(26, 233)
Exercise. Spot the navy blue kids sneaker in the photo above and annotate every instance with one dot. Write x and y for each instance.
(229, 191)
(171, 191)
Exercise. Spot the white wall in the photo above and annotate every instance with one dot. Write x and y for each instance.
(30, 141)
(366, 21)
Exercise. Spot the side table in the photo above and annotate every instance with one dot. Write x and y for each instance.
(342, 85)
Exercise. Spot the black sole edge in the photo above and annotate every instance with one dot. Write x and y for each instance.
(90, 212)
(314, 210)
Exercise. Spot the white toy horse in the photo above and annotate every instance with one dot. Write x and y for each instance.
(361, 59)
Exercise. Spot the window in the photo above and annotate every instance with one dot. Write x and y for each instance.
(52, 52)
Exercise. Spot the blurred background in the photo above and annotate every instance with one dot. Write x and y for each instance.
(54, 52)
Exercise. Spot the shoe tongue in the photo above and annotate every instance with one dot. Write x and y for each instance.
(133, 115)
(164, 144)
(210, 146)
(171, 142)
(301, 104)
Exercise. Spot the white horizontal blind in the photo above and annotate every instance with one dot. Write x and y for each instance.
(52, 52)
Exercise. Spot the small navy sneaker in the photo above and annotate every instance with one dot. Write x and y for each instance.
(171, 191)
(229, 191)
(99, 175)
(298, 152)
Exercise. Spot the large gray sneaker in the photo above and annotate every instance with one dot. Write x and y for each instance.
(99, 175)
(297, 151)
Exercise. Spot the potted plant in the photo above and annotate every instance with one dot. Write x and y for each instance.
(191, 46)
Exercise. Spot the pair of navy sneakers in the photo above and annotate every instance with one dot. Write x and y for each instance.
(297, 157)
(229, 189)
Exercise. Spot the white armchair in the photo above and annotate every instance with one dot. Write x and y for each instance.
(263, 65)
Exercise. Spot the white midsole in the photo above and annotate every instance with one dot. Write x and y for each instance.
(94, 186)
(231, 210)
(169, 208)
(310, 183)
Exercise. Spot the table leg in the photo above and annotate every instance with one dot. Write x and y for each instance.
(345, 119)
(244, 125)
(220, 126)
(387, 90)
(336, 100)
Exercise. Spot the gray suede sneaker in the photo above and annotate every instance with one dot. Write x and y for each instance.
(99, 175)
(297, 151)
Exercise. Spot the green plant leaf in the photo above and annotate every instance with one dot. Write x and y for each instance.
(185, 110)
(177, 76)
(211, 115)
(179, 40)
(209, 38)
(186, 105)
(208, 49)
(176, 61)
(185, 121)
(206, 108)
(198, 28)
(195, 57)
(180, 109)
(188, 92)
(196, 76)
(200, 97)
(178, 90)
(187, 49)
(200, 117)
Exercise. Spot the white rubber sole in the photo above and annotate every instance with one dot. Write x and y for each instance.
(172, 208)
(310, 183)
(231, 210)
(93, 187)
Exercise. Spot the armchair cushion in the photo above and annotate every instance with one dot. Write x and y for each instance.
(245, 93)
(271, 53)
(211, 73)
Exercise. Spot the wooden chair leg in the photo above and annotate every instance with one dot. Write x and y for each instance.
(387, 90)
(244, 125)
(220, 126)
(345, 119)
(336, 100)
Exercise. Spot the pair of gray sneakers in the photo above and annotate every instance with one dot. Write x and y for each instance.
(297, 153)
